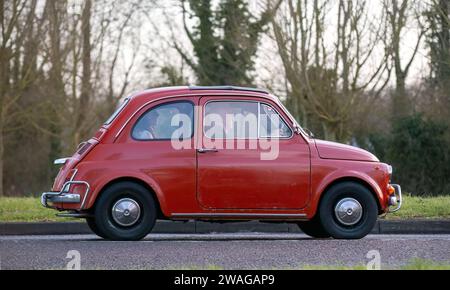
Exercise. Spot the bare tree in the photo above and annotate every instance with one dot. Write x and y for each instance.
(326, 83)
(16, 20)
(398, 14)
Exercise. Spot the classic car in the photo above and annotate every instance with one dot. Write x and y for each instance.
(219, 154)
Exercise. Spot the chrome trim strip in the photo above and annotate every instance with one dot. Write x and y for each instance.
(61, 161)
(229, 88)
(241, 215)
(74, 215)
(205, 150)
(117, 111)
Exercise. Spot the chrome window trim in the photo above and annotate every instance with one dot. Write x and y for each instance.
(258, 130)
(156, 107)
(117, 112)
(246, 94)
(282, 119)
(293, 120)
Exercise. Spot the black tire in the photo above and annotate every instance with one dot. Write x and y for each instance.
(348, 190)
(108, 226)
(313, 228)
(93, 226)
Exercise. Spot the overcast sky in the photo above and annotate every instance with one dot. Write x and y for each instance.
(164, 23)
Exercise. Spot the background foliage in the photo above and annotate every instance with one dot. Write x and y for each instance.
(344, 68)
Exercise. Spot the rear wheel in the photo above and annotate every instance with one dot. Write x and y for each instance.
(348, 211)
(125, 211)
(313, 228)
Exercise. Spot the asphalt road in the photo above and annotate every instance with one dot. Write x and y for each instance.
(227, 251)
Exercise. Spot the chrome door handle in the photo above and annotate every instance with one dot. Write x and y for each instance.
(204, 150)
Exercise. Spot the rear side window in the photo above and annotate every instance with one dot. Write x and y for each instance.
(171, 121)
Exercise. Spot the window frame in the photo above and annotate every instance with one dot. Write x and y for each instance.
(156, 107)
(258, 102)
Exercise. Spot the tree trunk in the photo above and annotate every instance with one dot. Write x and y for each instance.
(4, 88)
(86, 75)
(401, 105)
(2, 148)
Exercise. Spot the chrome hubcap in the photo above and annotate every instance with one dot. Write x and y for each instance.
(126, 212)
(348, 211)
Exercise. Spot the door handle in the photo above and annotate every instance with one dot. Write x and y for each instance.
(204, 150)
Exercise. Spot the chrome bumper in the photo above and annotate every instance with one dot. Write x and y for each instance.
(396, 199)
(64, 196)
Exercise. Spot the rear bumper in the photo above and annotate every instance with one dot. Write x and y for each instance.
(56, 197)
(64, 196)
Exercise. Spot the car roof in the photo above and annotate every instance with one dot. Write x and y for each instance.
(155, 93)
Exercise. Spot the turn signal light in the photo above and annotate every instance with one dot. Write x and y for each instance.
(391, 190)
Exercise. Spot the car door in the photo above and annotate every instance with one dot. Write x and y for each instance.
(245, 160)
(159, 143)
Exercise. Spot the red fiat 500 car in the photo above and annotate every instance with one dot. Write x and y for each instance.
(218, 154)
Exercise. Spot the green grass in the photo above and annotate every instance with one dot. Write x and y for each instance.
(420, 264)
(27, 209)
(30, 209)
(423, 208)
(415, 264)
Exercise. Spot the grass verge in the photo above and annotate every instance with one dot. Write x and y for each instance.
(30, 209)
(415, 264)
(423, 208)
(27, 209)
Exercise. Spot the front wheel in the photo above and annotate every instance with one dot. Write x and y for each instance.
(348, 211)
(125, 211)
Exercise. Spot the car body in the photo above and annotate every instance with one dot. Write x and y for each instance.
(189, 177)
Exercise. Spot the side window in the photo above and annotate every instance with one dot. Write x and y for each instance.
(231, 120)
(243, 120)
(271, 124)
(166, 122)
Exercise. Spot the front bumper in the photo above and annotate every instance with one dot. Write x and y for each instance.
(396, 200)
(64, 196)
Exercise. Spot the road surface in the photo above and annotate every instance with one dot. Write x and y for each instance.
(224, 251)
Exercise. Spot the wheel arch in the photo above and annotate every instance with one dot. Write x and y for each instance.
(353, 179)
(146, 185)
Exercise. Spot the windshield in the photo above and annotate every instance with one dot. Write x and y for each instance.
(117, 112)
